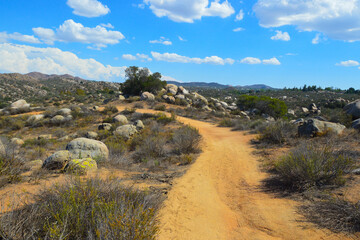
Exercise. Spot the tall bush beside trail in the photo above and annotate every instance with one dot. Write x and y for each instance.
(279, 132)
(186, 140)
(313, 166)
(90, 209)
(272, 106)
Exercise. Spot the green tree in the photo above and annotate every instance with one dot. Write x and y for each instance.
(140, 80)
(272, 106)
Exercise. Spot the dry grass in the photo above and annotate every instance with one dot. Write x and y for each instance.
(333, 213)
(90, 209)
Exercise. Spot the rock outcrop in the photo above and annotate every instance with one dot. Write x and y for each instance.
(121, 119)
(146, 96)
(57, 161)
(313, 127)
(85, 148)
(126, 131)
(353, 109)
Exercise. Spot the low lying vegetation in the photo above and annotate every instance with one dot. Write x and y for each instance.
(310, 166)
(336, 214)
(90, 209)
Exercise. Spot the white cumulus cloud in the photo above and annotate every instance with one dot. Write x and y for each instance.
(252, 61)
(71, 31)
(240, 16)
(316, 39)
(88, 8)
(162, 40)
(6, 37)
(129, 57)
(338, 19)
(174, 57)
(24, 59)
(349, 63)
(139, 56)
(271, 61)
(239, 29)
(190, 10)
(283, 36)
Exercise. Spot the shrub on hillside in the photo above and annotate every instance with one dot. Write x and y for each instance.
(11, 165)
(312, 166)
(160, 107)
(151, 147)
(278, 132)
(94, 209)
(272, 106)
(109, 110)
(186, 140)
(336, 214)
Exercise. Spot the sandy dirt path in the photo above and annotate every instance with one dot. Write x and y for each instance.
(220, 196)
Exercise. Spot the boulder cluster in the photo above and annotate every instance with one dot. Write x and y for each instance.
(61, 116)
(173, 94)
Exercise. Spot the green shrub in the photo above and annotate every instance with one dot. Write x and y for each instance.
(80, 92)
(163, 119)
(151, 147)
(128, 111)
(160, 107)
(94, 209)
(312, 166)
(109, 110)
(11, 165)
(272, 106)
(138, 105)
(186, 140)
(278, 132)
(227, 122)
(181, 102)
(117, 146)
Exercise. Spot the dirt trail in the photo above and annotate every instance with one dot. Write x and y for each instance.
(220, 196)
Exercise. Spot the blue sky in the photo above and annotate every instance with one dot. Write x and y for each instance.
(275, 42)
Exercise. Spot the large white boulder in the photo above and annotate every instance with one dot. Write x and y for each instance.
(85, 148)
(126, 131)
(353, 109)
(146, 96)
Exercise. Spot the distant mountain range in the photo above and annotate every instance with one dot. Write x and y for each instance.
(218, 86)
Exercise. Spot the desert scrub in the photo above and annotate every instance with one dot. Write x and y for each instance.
(151, 147)
(90, 209)
(138, 105)
(278, 132)
(109, 110)
(335, 214)
(310, 166)
(160, 107)
(186, 140)
(11, 164)
(117, 146)
(163, 119)
(227, 122)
